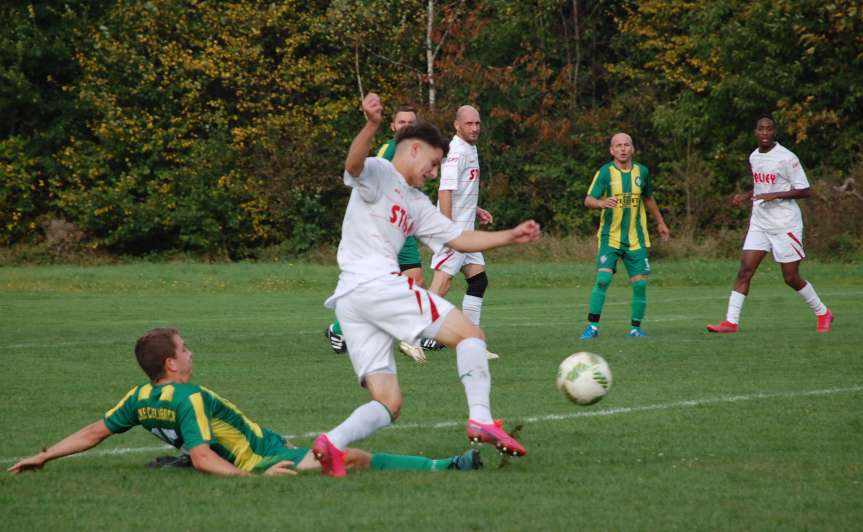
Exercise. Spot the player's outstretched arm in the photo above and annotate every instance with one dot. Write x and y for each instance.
(794, 193)
(86, 438)
(664, 232)
(362, 143)
(469, 241)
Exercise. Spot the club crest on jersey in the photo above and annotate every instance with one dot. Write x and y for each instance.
(638, 181)
(400, 218)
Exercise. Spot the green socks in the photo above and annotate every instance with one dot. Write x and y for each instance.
(402, 462)
(597, 295)
(639, 299)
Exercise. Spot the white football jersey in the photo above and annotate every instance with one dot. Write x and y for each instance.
(778, 170)
(382, 211)
(460, 174)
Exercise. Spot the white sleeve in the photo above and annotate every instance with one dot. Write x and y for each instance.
(432, 227)
(368, 183)
(795, 173)
(450, 170)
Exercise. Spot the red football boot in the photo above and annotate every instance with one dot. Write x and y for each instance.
(331, 458)
(824, 322)
(493, 433)
(724, 327)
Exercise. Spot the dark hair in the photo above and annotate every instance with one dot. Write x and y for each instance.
(404, 109)
(426, 132)
(153, 348)
(766, 116)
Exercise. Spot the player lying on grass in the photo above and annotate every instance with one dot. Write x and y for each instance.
(219, 438)
(375, 303)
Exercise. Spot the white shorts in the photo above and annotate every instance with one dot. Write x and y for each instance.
(374, 313)
(451, 261)
(787, 245)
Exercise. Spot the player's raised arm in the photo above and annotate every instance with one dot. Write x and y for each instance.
(469, 241)
(86, 438)
(362, 143)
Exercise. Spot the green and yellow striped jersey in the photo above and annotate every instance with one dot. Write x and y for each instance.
(188, 415)
(624, 226)
(388, 150)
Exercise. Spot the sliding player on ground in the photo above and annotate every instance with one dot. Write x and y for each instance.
(220, 439)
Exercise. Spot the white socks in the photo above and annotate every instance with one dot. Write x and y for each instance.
(473, 372)
(735, 305)
(808, 294)
(362, 423)
(471, 306)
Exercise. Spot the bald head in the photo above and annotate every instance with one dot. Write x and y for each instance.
(467, 124)
(620, 137)
(622, 148)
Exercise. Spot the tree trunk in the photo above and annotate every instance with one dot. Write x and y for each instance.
(430, 54)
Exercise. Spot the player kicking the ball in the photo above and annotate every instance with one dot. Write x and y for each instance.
(776, 225)
(375, 303)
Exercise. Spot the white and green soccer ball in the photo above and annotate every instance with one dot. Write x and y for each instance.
(584, 378)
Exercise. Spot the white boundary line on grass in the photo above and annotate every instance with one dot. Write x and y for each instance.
(532, 419)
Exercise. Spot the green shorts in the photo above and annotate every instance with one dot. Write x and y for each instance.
(409, 256)
(636, 262)
(294, 454)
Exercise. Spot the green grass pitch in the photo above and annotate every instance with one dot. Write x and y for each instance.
(756, 431)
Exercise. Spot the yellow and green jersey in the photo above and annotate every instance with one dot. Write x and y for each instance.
(624, 226)
(188, 415)
(388, 150)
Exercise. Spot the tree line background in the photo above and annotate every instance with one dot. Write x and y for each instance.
(221, 127)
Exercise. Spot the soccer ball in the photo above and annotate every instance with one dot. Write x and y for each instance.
(584, 378)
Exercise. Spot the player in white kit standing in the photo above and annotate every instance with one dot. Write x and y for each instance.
(776, 225)
(375, 303)
(458, 198)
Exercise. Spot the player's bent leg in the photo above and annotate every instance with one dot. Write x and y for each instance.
(441, 283)
(385, 389)
(475, 376)
(791, 275)
(415, 272)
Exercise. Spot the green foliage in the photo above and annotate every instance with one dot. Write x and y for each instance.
(220, 128)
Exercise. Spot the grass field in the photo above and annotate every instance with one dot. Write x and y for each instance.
(758, 431)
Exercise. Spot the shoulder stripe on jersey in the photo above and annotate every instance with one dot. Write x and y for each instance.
(144, 393)
(200, 416)
(167, 393)
(123, 400)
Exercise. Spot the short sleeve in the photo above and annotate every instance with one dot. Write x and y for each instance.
(647, 186)
(193, 420)
(599, 184)
(432, 227)
(450, 170)
(368, 183)
(123, 416)
(795, 173)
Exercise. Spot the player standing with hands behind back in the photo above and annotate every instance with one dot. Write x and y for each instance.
(776, 225)
(375, 303)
